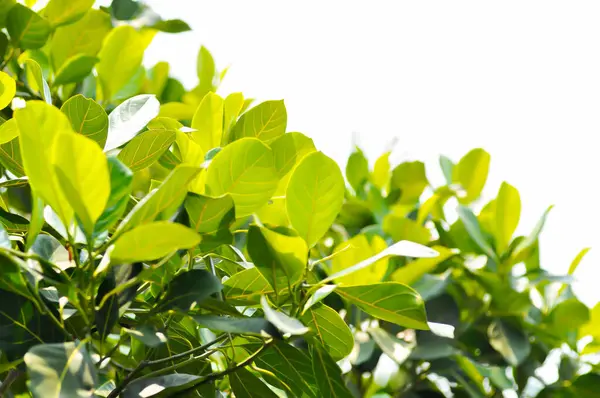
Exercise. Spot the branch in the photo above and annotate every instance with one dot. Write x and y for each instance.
(10, 378)
(144, 364)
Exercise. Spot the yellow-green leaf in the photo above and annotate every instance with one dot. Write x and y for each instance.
(265, 121)
(26, 28)
(206, 71)
(355, 250)
(208, 122)
(232, 107)
(82, 171)
(314, 196)
(508, 212)
(39, 126)
(402, 228)
(120, 57)
(75, 69)
(154, 240)
(87, 118)
(8, 88)
(245, 170)
(381, 171)
(62, 12)
(146, 148)
(35, 79)
(330, 329)
(177, 111)
(289, 149)
(83, 37)
(471, 173)
(8, 131)
(413, 271)
(577, 260)
(411, 180)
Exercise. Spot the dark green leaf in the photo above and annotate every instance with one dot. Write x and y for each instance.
(281, 321)
(107, 315)
(26, 28)
(509, 341)
(171, 26)
(166, 386)
(258, 326)
(474, 230)
(245, 385)
(327, 374)
(75, 69)
(148, 335)
(121, 179)
(189, 288)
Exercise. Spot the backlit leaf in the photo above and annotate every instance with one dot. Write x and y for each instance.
(381, 171)
(330, 330)
(209, 215)
(355, 250)
(8, 88)
(244, 170)
(411, 180)
(289, 149)
(87, 118)
(145, 149)
(208, 122)
(414, 270)
(62, 12)
(75, 69)
(26, 28)
(36, 80)
(121, 179)
(357, 169)
(8, 131)
(265, 121)
(206, 70)
(327, 374)
(282, 321)
(471, 173)
(126, 120)
(154, 240)
(508, 212)
(314, 196)
(232, 107)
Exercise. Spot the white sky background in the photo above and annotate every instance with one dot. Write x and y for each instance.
(518, 78)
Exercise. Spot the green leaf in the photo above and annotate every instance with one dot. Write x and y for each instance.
(245, 385)
(208, 122)
(357, 169)
(245, 170)
(577, 260)
(474, 230)
(63, 12)
(154, 240)
(388, 301)
(327, 374)
(509, 341)
(402, 228)
(209, 215)
(22, 325)
(87, 118)
(330, 329)
(413, 271)
(411, 180)
(282, 321)
(447, 168)
(170, 192)
(206, 71)
(258, 326)
(381, 171)
(290, 368)
(147, 335)
(355, 250)
(171, 26)
(120, 58)
(8, 131)
(246, 287)
(129, 118)
(289, 149)
(8, 88)
(26, 28)
(121, 179)
(265, 121)
(471, 173)
(232, 107)
(61, 370)
(36, 80)
(189, 288)
(314, 196)
(125, 10)
(395, 348)
(75, 69)
(106, 316)
(82, 171)
(508, 212)
(277, 256)
(164, 386)
(145, 149)
(39, 125)
(5, 6)
(568, 316)
(82, 38)
(318, 295)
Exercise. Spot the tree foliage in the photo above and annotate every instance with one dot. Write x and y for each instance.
(163, 241)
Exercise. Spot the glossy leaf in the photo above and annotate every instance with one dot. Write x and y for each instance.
(26, 28)
(327, 374)
(166, 385)
(129, 118)
(471, 173)
(8, 89)
(282, 321)
(258, 326)
(251, 179)
(314, 196)
(330, 330)
(189, 288)
(145, 149)
(277, 255)
(388, 301)
(355, 250)
(82, 172)
(61, 370)
(154, 240)
(413, 271)
(265, 121)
